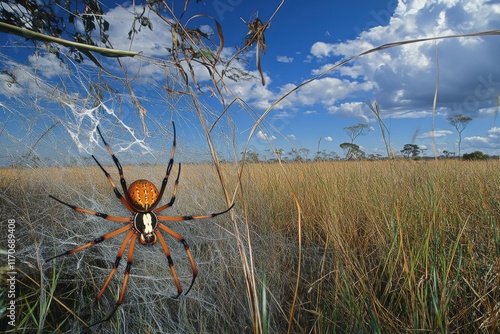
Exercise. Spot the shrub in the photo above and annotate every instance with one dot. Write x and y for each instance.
(476, 155)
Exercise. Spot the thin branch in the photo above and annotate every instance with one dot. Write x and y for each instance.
(10, 29)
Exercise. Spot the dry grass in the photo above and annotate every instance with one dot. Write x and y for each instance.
(389, 246)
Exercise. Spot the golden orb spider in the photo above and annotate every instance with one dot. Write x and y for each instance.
(141, 199)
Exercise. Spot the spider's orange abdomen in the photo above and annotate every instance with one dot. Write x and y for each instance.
(143, 194)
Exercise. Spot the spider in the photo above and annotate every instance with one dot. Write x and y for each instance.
(141, 199)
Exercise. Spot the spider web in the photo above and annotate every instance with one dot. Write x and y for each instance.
(48, 134)
(51, 107)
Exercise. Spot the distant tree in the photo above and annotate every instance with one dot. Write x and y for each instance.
(333, 156)
(448, 154)
(352, 151)
(251, 156)
(355, 131)
(298, 154)
(305, 153)
(320, 156)
(459, 122)
(276, 154)
(476, 155)
(411, 150)
(375, 156)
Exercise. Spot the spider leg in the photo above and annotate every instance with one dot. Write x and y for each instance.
(118, 166)
(116, 264)
(93, 242)
(117, 192)
(179, 218)
(167, 174)
(131, 235)
(186, 248)
(98, 214)
(170, 262)
(172, 199)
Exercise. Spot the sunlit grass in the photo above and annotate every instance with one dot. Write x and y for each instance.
(389, 246)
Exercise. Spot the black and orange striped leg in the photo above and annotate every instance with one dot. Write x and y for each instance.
(167, 173)
(117, 192)
(116, 264)
(95, 213)
(186, 248)
(95, 241)
(172, 199)
(181, 239)
(170, 262)
(181, 218)
(118, 166)
(132, 236)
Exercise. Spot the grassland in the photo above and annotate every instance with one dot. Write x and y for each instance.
(388, 246)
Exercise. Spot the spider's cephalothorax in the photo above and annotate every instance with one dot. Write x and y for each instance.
(141, 200)
(146, 223)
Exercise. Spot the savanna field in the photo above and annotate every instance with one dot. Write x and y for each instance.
(348, 247)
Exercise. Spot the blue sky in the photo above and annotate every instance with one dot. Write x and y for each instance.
(305, 38)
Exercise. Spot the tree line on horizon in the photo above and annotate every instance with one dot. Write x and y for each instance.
(352, 151)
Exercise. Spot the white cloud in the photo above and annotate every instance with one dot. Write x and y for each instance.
(328, 138)
(37, 79)
(437, 133)
(325, 91)
(396, 113)
(291, 137)
(356, 110)
(322, 49)
(476, 141)
(265, 136)
(284, 59)
(149, 42)
(48, 65)
(491, 140)
(206, 29)
(405, 76)
(494, 132)
(282, 114)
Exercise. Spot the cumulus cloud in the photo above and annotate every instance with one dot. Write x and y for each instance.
(328, 138)
(149, 42)
(265, 136)
(355, 110)
(491, 140)
(37, 78)
(48, 65)
(284, 59)
(405, 76)
(284, 114)
(322, 49)
(437, 133)
(401, 79)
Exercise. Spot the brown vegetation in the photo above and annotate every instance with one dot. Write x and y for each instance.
(395, 246)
